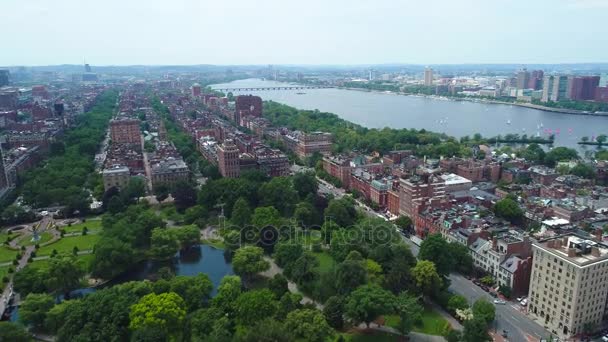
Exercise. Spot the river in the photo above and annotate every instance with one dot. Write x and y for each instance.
(455, 118)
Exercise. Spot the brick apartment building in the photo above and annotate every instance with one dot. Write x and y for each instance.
(125, 131)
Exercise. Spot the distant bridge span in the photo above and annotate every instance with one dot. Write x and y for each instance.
(270, 88)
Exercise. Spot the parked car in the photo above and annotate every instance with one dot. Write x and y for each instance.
(519, 299)
(605, 338)
(476, 282)
(499, 301)
(524, 302)
(485, 288)
(493, 294)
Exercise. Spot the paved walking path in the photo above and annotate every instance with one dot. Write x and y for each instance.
(293, 287)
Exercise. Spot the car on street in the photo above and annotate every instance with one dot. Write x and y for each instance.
(605, 338)
(493, 294)
(519, 299)
(524, 302)
(485, 288)
(476, 282)
(499, 301)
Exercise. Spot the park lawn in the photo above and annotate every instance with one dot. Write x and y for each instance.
(326, 261)
(432, 323)
(370, 336)
(27, 240)
(7, 254)
(93, 225)
(84, 260)
(66, 244)
(3, 273)
(216, 243)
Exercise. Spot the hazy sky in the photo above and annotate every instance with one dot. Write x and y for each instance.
(121, 32)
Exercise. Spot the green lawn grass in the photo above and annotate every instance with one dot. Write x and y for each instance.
(66, 244)
(326, 262)
(91, 224)
(7, 254)
(3, 272)
(217, 243)
(27, 240)
(375, 336)
(432, 323)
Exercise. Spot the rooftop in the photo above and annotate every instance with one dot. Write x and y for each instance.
(575, 249)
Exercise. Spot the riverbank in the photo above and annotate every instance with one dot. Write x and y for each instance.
(479, 100)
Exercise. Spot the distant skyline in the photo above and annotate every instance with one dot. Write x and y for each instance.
(314, 32)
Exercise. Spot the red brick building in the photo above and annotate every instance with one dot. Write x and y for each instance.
(250, 104)
(228, 159)
(125, 131)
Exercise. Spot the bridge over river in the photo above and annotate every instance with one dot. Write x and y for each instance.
(225, 90)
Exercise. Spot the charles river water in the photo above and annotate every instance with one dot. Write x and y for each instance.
(455, 118)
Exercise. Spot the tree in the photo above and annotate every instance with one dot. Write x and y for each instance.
(34, 308)
(111, 257)
(304, 270)
(409, 310)
(30, 279)
(63, 275)
(288, 303)
(253, 306)
(462, 260)
(368, 302)
(241, 214)
(509, 210)
(304, 214)
(559, 154)
(287, 252)
(161, 192)
(165, 311)
(534, 153)
(248, 261)
(278, 285)
(188, 236)
(374, 272)
(601, 139)
(305, 183)
(457, 302)
(475, 330)
(426, 276)
(13, 332)
(267, 330)
(505, 291)
(195, 290)
(404, 222)
(135, 189)
(334, 312)
(308, 324)
(341, 211)
(279, 193)
(350, 274)
(484, 310)
(164, 243)
(184, 194)
(201, 322)
(265, 216)
(397, 264)
(227, 293)
(583, 170)
(434, 249)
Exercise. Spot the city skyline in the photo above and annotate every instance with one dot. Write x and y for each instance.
(272, 32)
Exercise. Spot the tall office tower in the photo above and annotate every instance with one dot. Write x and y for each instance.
(228, 159)
(87, 67)
(428, 76)
(569, 284)
(523, 77)
(4, 78)
(3, 178)
(196, 90)
(554, 88)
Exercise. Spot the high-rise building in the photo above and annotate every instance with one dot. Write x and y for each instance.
(523, 77)
(3, 179)
(196, 90)
(536, 79)
(87, 67)
(581, 88)
(228, 159)
(125, 131)
(555, 88)
(428, 77)
(569, 284)
(4, 78)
